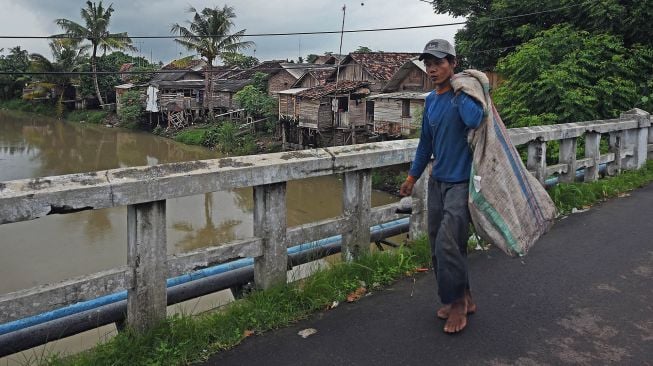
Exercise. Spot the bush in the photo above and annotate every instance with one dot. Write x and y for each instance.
(192, 137)
(131, 112)
(88, 116)
(227, 139)
(28, 107)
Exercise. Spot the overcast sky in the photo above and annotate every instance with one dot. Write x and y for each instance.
(155, 17)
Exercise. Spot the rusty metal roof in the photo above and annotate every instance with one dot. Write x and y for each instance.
(381, 65)
(344, 86)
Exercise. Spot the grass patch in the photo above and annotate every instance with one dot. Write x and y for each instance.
(195, 136)
(568, 196)
(87, 116)
(182, 339)
(28, 107)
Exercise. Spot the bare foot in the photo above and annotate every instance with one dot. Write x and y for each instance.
(443, 312)
(457, 320)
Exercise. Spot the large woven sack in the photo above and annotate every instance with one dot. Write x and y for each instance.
(509, 207)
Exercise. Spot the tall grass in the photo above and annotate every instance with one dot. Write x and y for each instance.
(581, 195)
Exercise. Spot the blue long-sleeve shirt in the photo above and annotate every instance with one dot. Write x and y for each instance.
(446, 120)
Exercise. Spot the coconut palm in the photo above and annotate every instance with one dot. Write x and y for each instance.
(209, 34)
(96, 31)
(68, 56)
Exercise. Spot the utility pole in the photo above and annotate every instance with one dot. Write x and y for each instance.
(334, 107)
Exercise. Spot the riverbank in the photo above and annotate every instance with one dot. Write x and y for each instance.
(223, 136)
(185, 339)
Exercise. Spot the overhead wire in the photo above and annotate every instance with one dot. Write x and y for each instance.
(63, 36)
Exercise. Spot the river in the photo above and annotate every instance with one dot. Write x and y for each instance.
(58, 247)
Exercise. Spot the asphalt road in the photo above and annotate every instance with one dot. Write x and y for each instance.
(582, 296)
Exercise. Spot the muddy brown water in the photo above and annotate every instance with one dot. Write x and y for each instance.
(57, 247)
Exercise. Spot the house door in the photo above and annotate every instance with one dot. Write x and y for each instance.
(369, 111)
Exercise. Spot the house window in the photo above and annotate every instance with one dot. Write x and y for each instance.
(405, 108)
(343, 105)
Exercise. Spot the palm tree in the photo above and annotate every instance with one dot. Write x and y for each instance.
(96, 30)
(68, 56)
(209, 35)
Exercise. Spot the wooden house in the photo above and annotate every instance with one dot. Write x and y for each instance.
(397, 114)
(120, 90)
(324, 115)
(281, 75)
(329, 59)
(395, 111)
(314, 77)
(377, 68)
(224, 91)
(411, 76)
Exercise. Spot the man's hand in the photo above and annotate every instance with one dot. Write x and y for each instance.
(406, 187)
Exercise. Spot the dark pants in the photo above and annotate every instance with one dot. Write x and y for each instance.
(448, 221)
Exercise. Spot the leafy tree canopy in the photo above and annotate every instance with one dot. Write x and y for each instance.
(363, 49)
(17, 60)
(312, 58)
(566, 75)
(495, 27)
(95, 29)
(235, 59)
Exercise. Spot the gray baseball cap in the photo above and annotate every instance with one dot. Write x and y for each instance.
(439, 48)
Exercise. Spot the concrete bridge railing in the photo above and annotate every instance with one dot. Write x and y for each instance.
(144, 190)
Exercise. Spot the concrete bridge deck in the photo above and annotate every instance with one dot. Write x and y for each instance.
(582, 296)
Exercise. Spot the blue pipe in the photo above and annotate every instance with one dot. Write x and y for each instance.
(171, 282)
(579, 175)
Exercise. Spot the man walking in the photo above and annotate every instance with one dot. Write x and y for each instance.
(446, 120)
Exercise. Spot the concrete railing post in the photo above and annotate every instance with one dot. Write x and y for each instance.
(568, 156)
(537, 159)
(270, 225)
(356, 206)
(592, 151)
(617, 147)
(147, 258)
(640, 137)
(419, 216)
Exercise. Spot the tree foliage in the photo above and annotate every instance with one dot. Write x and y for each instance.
(16, 61)
(68, 56)
(131, 111)
(235, 59)
(95, 29)
(209, 34)
(567, 75)
(561, 60)
(112, 63)
(495, 27)
(363, 49)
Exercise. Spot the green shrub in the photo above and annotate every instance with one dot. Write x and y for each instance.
(192, 137)
(131, 112)
(88, 116)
